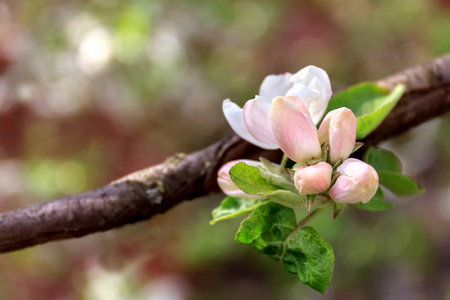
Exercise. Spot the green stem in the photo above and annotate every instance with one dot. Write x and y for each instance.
(310, 216)
(284, 161)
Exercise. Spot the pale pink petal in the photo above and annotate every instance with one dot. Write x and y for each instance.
(346, 190)
(364, 176)
(358, 182)
(275, 86)
(324, 129)
(295, 132)
(257, 121)
(373, 185)
(299, 104)
(312, 100)
(313, 179)
(342, 134)
(235, 117)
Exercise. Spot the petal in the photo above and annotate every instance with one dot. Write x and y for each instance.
(294, 131)
(274, 86)
(342, 134)
(355, 168)
(257, 121)
(312, 100)
(361, 181)
(373, 186)
(313, 179)
(324, 136)
(235, 117)
(314, 78)
(346, 190)
(298, 103)
(229, 188)
(364, 174)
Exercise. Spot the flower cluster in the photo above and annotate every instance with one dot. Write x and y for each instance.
(284, 116)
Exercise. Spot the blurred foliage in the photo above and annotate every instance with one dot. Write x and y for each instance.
(92, 90)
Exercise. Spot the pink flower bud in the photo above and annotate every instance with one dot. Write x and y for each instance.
(338, 129)
(293, 129)
(313, 179)
(228, 186)
(358, 182)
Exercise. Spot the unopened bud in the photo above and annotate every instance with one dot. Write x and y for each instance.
(338, 129)
(313, 179)
(228, 186)
(358, 182)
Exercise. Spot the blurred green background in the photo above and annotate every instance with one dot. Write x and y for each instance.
(92, 90)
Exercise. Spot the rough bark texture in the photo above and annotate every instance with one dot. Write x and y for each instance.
(154, 190)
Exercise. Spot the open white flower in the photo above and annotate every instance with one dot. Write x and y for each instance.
(311, 84)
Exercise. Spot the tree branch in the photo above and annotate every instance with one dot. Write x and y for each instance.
(143, 194)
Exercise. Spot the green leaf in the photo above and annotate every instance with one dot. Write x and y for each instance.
(311, 257)
(272, 230)
(232, 207)
(399, 184)
(258, 181)
(249, 180)
(267, 228)
(376, 203)
(383, 160)
(274, 168)
(369, 102)
(278, 180)
(389, 168)
(287, 198)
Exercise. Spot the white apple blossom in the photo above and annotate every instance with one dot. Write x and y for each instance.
(311, 84)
